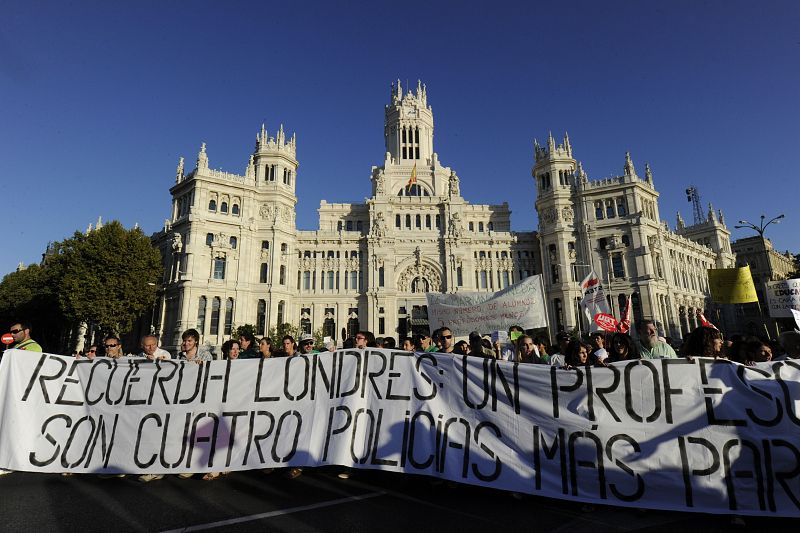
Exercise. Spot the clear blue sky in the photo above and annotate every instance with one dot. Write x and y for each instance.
(99, 99)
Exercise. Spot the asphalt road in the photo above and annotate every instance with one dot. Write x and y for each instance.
(318, 501)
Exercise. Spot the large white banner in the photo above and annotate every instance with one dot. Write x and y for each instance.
(782, 297)
(690, 435)
(520, 304)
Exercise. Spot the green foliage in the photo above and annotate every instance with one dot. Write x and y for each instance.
(276, 334)
(244, 328)
(107, 277)
(30, 294)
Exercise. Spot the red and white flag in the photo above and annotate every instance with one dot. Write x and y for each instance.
(625, 322)
(704, 321)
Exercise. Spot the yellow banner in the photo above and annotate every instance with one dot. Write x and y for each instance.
(732, 285)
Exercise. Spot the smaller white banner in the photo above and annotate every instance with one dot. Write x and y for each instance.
(521, 304)
(594, 300)
(782, 297)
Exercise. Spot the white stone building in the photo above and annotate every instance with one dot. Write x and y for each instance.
(233, 254)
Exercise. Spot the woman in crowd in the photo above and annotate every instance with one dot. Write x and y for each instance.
(461, 348)
(751, 350)
(265, 347)
(408, 344)
(703, 342)
(576, 354)
(528, 352)
(230, 350)
(622, 348)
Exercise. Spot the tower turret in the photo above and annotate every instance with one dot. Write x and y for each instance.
(409, 126)
(274, 161)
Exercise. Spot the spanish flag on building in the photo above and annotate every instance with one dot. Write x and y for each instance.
(413, 179)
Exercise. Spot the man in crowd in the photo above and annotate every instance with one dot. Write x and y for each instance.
(21, 331)
(790, 342)
(113, 347)
(597, 341)
(151, 350)
(446, 340)
(307, 344)
(558, 359)
(649, 345)
(247, 343)
(423, 343)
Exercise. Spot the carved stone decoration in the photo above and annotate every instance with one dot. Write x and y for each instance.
(378, 227)
(265, 212)
(422, 271)
(455, 226)
(573, 255)
(177, 242)
(264, 253)
(306, 264)
(567, 214)
(287, 214)
(454, 188)
(550, 215)
(380, 184)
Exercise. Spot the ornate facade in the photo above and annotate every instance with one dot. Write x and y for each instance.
(233, 254)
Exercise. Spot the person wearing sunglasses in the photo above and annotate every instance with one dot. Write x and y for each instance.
(446, 339)
(21, 331)
(90, 353)
(113, 347)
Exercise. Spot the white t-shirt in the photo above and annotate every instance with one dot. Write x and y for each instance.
(160, 354)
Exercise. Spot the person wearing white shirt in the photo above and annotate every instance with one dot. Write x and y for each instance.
(150, 349)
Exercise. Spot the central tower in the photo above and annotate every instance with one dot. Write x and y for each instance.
(408, 125)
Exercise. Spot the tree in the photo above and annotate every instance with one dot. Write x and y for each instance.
(30, 294)
(107, 277)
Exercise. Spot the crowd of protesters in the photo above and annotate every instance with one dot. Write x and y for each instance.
(569, 352)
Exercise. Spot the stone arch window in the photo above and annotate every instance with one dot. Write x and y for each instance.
(201, 315)
(418, 221)
(264, 273)
(359, 225)
(415, 190)
(282, 277)
(480, 227)
(209, 239)
(491, 226)
(216, 303)
(397, 221)
(281, 311)
(408, 221)
(223, 208)
(234, 242)
(598, 210)
(228, 316)
(235, 210)
(428, 221)
(212, 205)
(261, 317)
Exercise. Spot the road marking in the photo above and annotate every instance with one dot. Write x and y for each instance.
(280, 512)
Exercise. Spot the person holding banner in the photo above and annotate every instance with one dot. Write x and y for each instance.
(265, 348)
(597, 341)
(528, 353)
(151, 350)
(622, 349)
(576, 354)
(558, 358)
(703, 342)
(790, 342)
(190, 351)
(21, 331)
(113, 347)
(649, 345)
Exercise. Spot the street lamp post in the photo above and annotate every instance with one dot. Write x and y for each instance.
(761, 226)
(760, 229)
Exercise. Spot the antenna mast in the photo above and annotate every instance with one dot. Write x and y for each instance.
(693, 195)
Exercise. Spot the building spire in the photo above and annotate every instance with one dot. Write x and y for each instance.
(628, 168)
(202, 158)
(648, 174)
(179, 171)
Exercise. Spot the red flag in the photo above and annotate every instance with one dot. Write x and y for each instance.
(704, 321)
(625, 324)
(606, 321)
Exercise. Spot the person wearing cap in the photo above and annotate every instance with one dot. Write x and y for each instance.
(597, 341)
(558, 359)
(306, 343)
